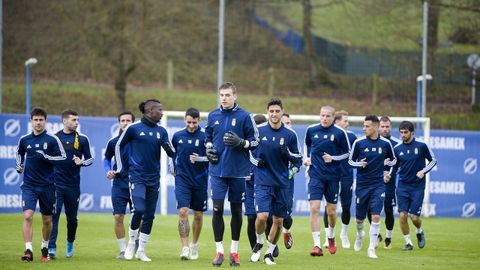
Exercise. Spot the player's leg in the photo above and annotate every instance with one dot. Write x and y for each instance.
(331, 196)
(288, 220)
(346, 202)
(250, 212)
(120, 200)
(415, 212)
(219, 190)
(315, 194)
(263, 203)
(52, 244)
(71, 196)
(403, 200)
(183, 195)
(151, 199)
(199, 205)
(361, 209)
(138, 198)
(390, 202)
(375, 205)
(46, 199)
(29, 202)
(236, 193)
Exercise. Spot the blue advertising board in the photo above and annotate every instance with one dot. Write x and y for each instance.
(454, 186)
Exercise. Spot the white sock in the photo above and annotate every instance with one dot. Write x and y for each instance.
(360, 229)
(44, 243)
(143, 239)
(344, 232)
(28, 245)
(260, 238)
(121, 244)
(419, 230)
(271, 247)
(234, 247)
(132, 236)
(374, 231)
(327, 233)
(286, 230)
(331, 232)
(219, 246)
(389, 233)
(316, 239)
(408, 240)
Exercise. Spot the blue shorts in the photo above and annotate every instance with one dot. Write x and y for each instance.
(346, 190)
(120, 200)
(249, 197)
(45, 196)
(192, 198)
(369, 197)
(290, 192)
(271, 200)
(410, 199)
(318, 188)
(234, 186)
(390, 198)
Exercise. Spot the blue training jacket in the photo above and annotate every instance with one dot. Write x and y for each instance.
(233, 162)
(276, 170)
(66, 173)
(121, 182)
(187, 174)
(39, 167)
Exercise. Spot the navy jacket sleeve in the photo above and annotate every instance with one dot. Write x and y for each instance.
(86, 152)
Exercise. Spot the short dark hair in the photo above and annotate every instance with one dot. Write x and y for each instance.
(372, 118)
(286, 115)
(193, 112)
(66, 113)
(406, 125)
(126, 113)
(228, 85)
(259, 119)
(385, 118)
(275, 101)
(144, 104)
(37, 111)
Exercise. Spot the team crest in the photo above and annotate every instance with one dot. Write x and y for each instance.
(189, 141)
(379, 150)
(150, 133)
(416, 151)
(158, 135)
(282, 141)
(234, 122)
(332, 137)
(197, 142)
(45, 145)
(37, 145)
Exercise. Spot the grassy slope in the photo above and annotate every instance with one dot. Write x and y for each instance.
(450, 245)
(101, 101)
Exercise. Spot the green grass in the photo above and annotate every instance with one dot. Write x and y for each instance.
(451, 244)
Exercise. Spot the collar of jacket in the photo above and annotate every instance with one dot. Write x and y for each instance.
(234, 108)
(147, 120)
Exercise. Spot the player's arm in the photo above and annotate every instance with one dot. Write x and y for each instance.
(344, 145)
(256, 161)
(307, 148)
(250, 142)
(354, 154)
(107, 160)
(292, 152)
(86, 153)
(122, 142)
(167, 146)
(432, 161)
(391, 158)
(56, 150)
(20, 157)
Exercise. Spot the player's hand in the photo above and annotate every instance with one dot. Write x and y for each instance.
(193, 158)
(386, 177)
(110, 175)
(77, 160)
(212, 155)
(385, 162)
(230, 138)
(292, 172)
(364, 162)
(261, 163)
(284, 150)
(20, 168)
(327, 158)
(420, 174)
(307, 161)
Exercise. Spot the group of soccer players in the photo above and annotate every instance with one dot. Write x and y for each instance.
(253, 161)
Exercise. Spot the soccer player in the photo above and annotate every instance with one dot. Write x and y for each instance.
(278, 149)
(346, 183)
(326, 145)
(146, 138)
(231, 133)
(249, 202)
(411, 156)
(288, 220)
(36, 153)
(191, 180)
(369, 155)
(120, 191)
(67, 179)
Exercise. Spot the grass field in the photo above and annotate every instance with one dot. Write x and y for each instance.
(451, 244)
